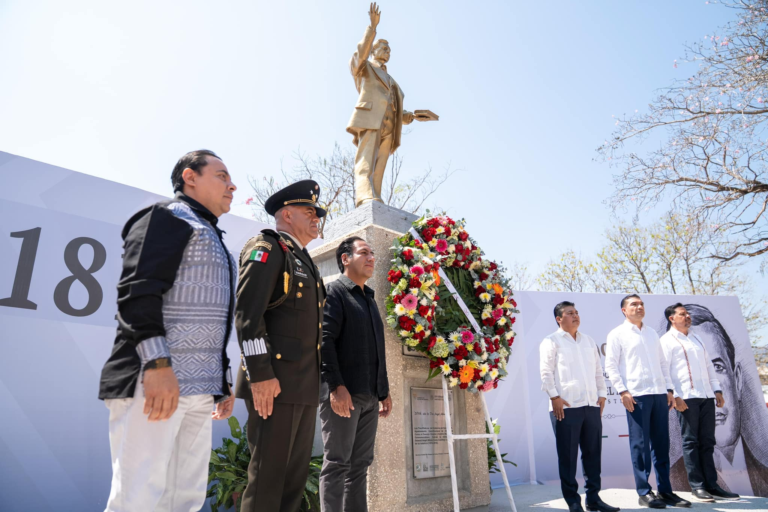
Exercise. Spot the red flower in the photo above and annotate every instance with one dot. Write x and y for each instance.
(489, 321)
(512, 301)
(500, 331)
(498, 300)
(479, 291)
(394, 276)
(450, 221)
(483, 276)
(460, 353)
(455, 374)
(424, 310)
(420, 335)
(463, 385)
(432, 341)
(447, 231)
(512, 320)
(414, 283)
(493, 266)
(437, 298)
(463, 236)
(511, 340)
(478, 349)
(407, 255)
(495, 384)
(434, 364)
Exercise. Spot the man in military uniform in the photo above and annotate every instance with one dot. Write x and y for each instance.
(279, 321)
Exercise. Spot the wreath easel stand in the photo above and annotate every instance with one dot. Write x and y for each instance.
(449, 431)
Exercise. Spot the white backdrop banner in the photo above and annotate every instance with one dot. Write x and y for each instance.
(60, 259)
(741, 454)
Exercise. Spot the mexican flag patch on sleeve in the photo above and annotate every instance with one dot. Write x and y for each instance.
(259, 255)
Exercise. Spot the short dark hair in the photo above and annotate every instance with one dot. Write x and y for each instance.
(346, 247)
(630, 296)
(671, 310)
(195, 160)
(560, 307)
(703, 317)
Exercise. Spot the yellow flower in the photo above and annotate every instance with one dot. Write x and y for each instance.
(485, 297)
(419, 328)
(473, 364)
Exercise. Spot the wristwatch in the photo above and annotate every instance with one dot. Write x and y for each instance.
(160, 362)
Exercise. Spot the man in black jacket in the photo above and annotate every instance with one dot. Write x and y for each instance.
(354, 371)
(175, 305)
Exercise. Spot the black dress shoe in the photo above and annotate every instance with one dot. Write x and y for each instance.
(601, 506)
(702, 495)
(576, 507)
(719, 492)
(673, 500)
(650, 500)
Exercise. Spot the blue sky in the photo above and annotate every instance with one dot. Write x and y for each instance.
(525, 92)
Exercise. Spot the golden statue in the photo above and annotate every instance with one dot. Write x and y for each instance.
(378, 119)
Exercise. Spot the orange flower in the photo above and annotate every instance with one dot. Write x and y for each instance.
(436, 275)
(497, 289)
(466, 374)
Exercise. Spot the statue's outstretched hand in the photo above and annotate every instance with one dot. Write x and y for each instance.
(375, 14)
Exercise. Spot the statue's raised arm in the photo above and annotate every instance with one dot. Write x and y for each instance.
(359, 58)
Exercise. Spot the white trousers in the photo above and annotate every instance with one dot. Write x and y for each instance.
(159, 466)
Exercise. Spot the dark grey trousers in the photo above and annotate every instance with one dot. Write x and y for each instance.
(348, 451)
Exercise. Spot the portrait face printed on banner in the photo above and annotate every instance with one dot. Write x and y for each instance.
(722, 352)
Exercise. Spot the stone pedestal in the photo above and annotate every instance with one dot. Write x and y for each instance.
(391, 484)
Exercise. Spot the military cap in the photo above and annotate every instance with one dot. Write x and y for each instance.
(301, 193)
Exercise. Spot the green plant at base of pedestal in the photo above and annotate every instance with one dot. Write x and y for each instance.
(228, 472)
(492, 460)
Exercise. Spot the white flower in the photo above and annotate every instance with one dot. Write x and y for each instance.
(484, 368)
(502, 321)
(451, 249)
(404, 334)
(494, 373)
(477, 284)
(474, 266)
(503, 352)
(432, 243)
(424, 302)
(446, 369)
(428, 261)
(485, 297)
(432, 255)
(440, 230)
(454, 337)
(414, 291)
(399, 309)
(453, 382)
(485, 356)
(463, 363)
(439, 339)
(485, 314)
(509, 335)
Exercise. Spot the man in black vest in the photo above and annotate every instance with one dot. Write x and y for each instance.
(279, 321)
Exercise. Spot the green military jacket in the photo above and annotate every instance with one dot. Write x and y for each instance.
(279, 318)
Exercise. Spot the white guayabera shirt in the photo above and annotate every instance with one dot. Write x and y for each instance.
(690, 367)
(635, 362)
(571, 369)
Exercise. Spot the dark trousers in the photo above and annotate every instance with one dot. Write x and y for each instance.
(697, 425)
(649, 441)
(582, 428)
(281, 447)
(348, 451)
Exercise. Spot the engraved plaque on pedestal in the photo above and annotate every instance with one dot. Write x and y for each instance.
(430, 441)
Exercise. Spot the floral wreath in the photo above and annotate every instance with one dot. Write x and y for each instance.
(470, 353)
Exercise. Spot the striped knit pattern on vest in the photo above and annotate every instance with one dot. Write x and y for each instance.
(195, 310)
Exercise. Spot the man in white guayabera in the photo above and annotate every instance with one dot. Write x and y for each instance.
(636, 366)
(572, 376)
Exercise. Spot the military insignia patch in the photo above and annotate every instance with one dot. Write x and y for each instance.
(265, 245)
(259, 255)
